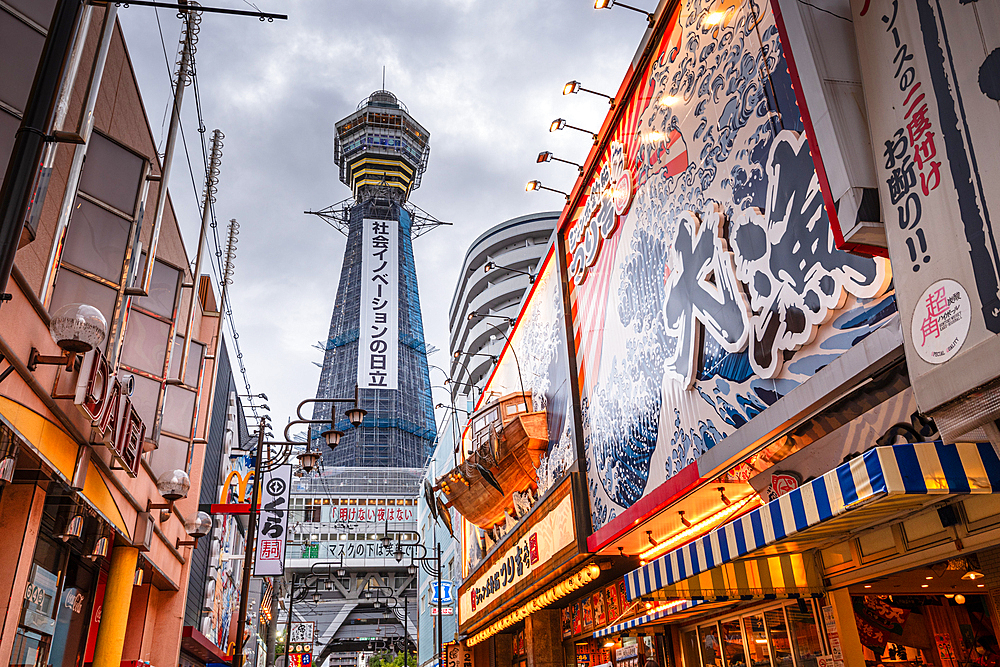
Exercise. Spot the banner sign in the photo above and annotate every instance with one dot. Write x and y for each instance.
(931, 76)
(445, 611)
(378, 340)
(272, 522)
(704, 279)
(373, 514)
(302, 632)
(551, 534)
(457, 655)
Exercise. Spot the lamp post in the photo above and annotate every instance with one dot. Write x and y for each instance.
(435, 571)
(250, 544)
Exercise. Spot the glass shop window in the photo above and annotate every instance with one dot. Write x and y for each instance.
(732, 643)
(756, 636)
(781, 647)
(171, 454)
(193, 369)
(145, 346)
(162, 289)
(74, 288)
(711, 649)
(112, 174)
(96, 240)
(805, 636)
(39, 11)
(144, 397)
(20, 48)
(178, 411)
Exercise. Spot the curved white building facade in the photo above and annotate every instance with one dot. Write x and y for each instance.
(515, 247)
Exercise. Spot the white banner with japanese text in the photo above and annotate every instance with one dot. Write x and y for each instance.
(931, 73)
(378, 340)
(272, 522)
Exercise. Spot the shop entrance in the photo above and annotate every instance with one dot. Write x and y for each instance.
(932, 616)
(783, 635)
(58, 600)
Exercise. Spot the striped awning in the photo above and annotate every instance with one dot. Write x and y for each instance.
(676, 608)
(882, 483)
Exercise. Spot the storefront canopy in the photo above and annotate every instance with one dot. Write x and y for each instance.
(873, 488)
(679, 607)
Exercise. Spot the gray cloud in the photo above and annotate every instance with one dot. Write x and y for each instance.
(484, 77)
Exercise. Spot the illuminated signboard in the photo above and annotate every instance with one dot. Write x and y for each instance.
(528, 555)
(703, 275)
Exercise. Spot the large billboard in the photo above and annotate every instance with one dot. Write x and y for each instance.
(704, 279)
(534, 361)
(931, 72)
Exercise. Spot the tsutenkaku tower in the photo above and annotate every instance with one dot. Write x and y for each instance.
(376, 338)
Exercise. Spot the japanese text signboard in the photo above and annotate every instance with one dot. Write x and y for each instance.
(551, 534)
(931, 75)
(272, 523)
(704, 280)
(369, 514)
(378, 340)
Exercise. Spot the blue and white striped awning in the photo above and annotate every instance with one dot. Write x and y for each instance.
(676, 608)
(865, 491)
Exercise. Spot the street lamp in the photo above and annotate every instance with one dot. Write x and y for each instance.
(608, 4)
(434, 571)
(532, 186)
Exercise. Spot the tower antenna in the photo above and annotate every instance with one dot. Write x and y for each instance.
(383, 77)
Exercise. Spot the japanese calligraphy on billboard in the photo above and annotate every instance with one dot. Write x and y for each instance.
(704, 279)
(378, 340)
(932, 82)
(272, 523)
(551, 534)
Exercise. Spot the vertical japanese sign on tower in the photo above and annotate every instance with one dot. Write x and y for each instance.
(378, 348)
(272, 524)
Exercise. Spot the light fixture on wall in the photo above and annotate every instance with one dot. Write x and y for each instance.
(573, 87)
(73, 527)
(197, 527)
(561, 124)
(99, 547)
(533, 186)
(547, 156)
(172, 485)
(608, 4)
(76, 328)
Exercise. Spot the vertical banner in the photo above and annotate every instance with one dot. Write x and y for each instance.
(931, 73)
(272, 523)
(378, 340)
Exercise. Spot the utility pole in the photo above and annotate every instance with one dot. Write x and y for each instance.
(33, 134)
(241, 620)
(185, 70)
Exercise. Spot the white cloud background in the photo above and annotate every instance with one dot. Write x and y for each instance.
(483, 76)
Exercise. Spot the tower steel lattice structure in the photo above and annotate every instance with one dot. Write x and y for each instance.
(382, 153)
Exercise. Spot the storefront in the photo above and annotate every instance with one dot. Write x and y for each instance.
(65, 588)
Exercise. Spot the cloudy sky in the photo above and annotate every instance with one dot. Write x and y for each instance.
(483, 76)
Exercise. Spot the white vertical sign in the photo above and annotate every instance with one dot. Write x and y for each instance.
(272, 521)
(378, 340)
(931, 73)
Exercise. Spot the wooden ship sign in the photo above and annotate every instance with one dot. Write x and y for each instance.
(508, 443)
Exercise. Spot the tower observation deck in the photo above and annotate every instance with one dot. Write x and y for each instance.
(376, 337)
(380, 148)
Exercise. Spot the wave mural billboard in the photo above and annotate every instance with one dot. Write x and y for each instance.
(703, 276)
